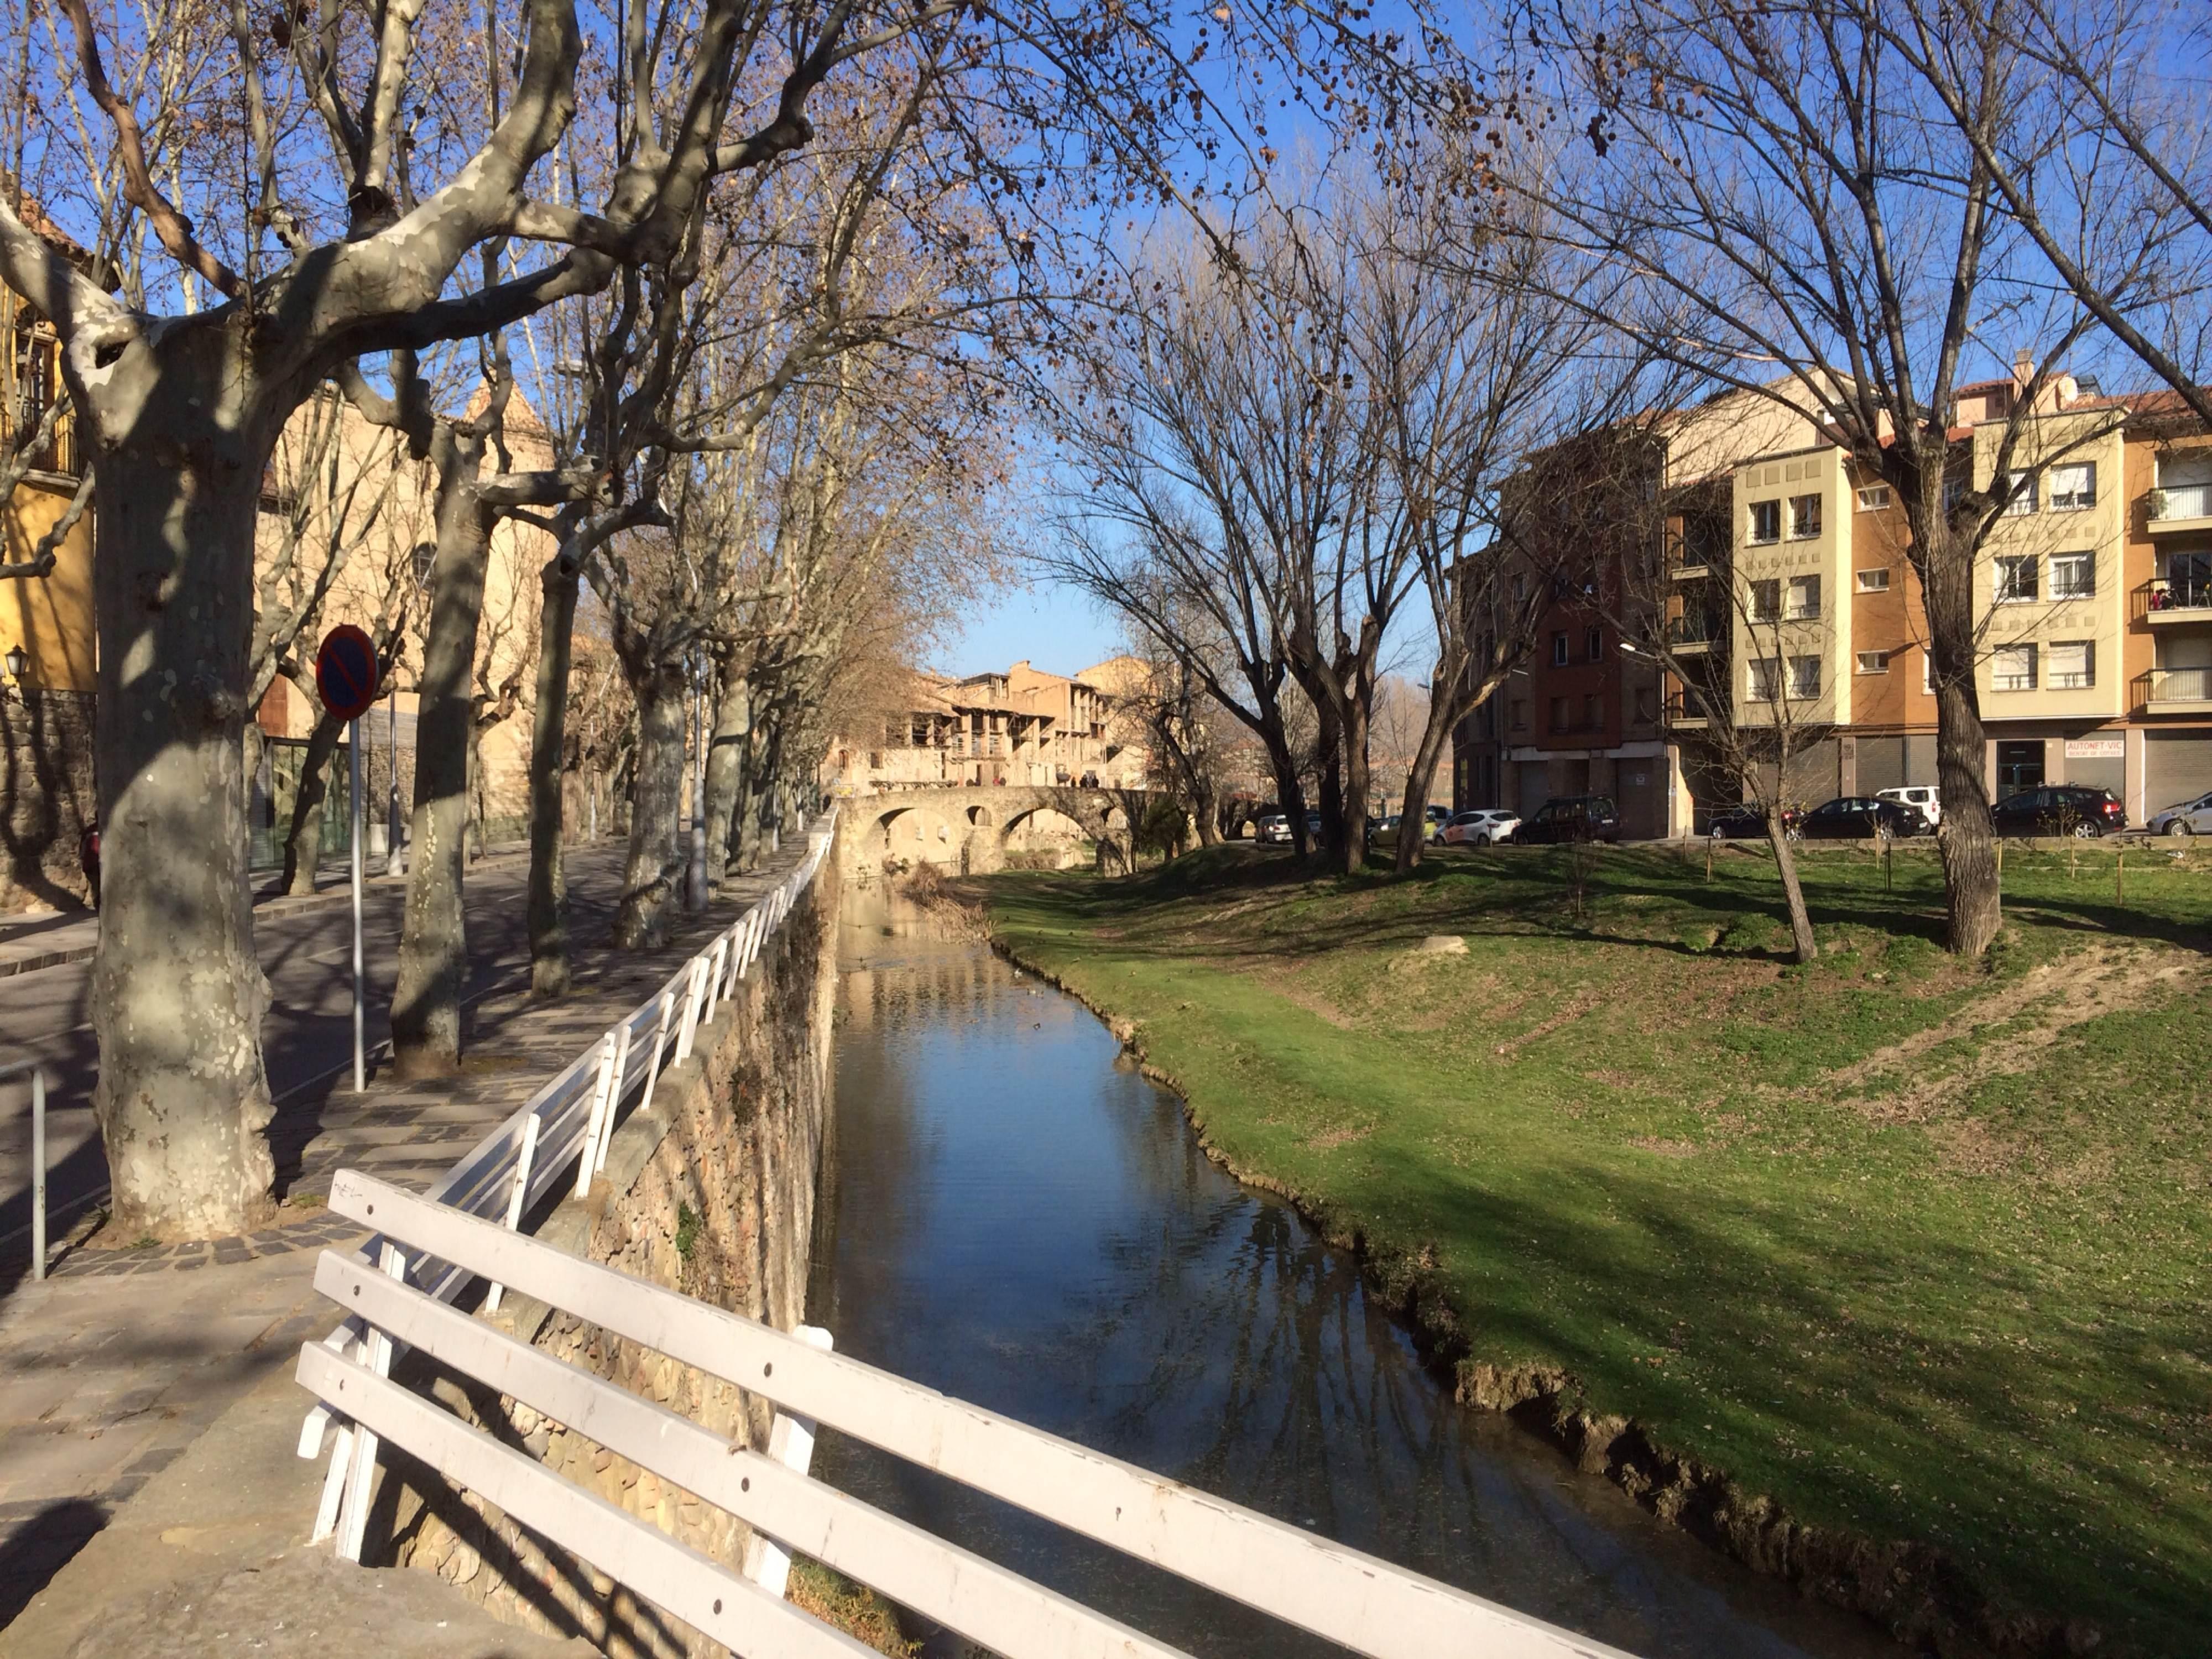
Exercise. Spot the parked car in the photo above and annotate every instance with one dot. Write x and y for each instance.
(1850, 817)
(2059, 809)
(1926, 797)
(1276, 830)
(1482, 826)
(2192, 818)
(1312, 828)
(1571, 818)
(1748, 821)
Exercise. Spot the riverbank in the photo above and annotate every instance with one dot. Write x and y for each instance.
(1883, 1273)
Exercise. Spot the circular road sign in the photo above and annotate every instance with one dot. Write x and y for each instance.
(346, 671)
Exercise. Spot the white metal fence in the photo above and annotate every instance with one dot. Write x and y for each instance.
(569, 1122)
(427, 1247)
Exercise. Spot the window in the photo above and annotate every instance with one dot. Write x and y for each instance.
(1593, 712)
(1558, 650)
(1873, 581)
(1647, 705)
(2073, 489)
(1875, 498)
(1766, 522)
(1519, 714)
(2023, 493)
(1562, 715)
(1927, 671)
(426, 554)
(1765, 601)
(1953, 490)
(2012, 668)
(1874, 662)
(2073, 575)
(1763, 680)
(1804, 599)
(1804, 518)
(1805, 677)
(1596, 643)
(2073, 665)
(2016, 583)
(1520, 586)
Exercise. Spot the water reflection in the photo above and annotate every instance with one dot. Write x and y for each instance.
(1011, 1215)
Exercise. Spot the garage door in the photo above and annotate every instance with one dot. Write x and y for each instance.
(2177, 766)
(1881, 764)
(1642, 798)
(1535, 786)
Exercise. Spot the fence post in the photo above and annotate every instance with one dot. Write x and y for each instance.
(790, 1443)
(598, 1151)
(516, 1199)
(38, 1172)
(361, 1473)
(659, 1044)
(690, 1027)
(715, 972)
(600, 1105)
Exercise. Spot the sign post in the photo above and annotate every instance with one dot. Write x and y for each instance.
(345, 675)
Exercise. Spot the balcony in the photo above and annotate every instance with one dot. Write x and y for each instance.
(1685, 713)
(1689, 636)
(2176, 690)
(37, 387)
(2177, 507)
(2174, 599)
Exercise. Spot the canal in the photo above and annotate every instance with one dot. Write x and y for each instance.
(1009, 1213)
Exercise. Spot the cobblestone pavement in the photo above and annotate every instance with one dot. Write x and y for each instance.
(110, 1369)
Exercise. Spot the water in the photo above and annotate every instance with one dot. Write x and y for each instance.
(1012, 1214)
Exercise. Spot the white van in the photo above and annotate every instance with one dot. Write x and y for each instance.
(1925, 796)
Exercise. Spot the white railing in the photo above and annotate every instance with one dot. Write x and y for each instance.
(570, 1120)
(2183, 501)
(1357, 1601)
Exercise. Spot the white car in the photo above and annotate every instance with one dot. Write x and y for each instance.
(1925, 796)
(2192, 818)
(1275, 829)
(1485, 826)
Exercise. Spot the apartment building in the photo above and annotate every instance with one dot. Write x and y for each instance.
(1589, 713)
(1024, 726)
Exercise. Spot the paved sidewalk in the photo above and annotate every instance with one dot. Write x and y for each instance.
(111, 1368)
(48, 938)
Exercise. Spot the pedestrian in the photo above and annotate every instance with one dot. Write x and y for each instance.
(88, 852)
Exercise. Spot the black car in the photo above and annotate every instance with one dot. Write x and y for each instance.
(1570, 817)
(2059, 809)
(1859, 817)
(1746, 822)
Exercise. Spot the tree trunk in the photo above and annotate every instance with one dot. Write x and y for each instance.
(1413, 810)
(1803, 946)
(549, 741)
(649, 878)
(1351, 849)
(745, 811)
(1329, 744)
(434, 961)
(733, 718)
(177, 990)
(303, 840)
(1965, 838)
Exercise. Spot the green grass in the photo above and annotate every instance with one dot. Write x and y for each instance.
(1954, 1292)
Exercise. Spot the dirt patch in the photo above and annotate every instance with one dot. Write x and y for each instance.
(1576, 1006)
(2055, 996)
(1329, 1139)
(1665, 1148)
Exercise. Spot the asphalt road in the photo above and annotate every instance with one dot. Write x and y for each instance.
(306, 1035)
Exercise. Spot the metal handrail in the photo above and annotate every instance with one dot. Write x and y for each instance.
(37, 1070)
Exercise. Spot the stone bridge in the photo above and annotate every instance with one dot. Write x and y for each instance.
(973, 830)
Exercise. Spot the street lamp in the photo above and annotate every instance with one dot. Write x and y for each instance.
(18, 663)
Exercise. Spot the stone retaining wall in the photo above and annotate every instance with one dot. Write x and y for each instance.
(711, 1192)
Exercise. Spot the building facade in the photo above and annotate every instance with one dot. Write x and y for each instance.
(1024, 726)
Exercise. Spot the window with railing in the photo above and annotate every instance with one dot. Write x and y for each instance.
(2023, 493)
(1766, 521)
(1765, 601)
(1804, 599)
(2073, 487)
(2073, 575)
(2072, 665)
(1804, 677)
(1762, 678)
(2012, 668)
(2016, 579)
(1804, 518)
(2186, 585)
(2181, 685)
(35, 388)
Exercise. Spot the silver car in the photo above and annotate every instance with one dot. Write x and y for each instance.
(1485, 826)
(2192, 818)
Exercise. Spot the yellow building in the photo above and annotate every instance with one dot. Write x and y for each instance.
(1791, 633)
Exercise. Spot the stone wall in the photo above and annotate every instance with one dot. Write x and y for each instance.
(711, 1192)
(47, 798)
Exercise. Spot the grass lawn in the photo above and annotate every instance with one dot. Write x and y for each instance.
(1917, 1248)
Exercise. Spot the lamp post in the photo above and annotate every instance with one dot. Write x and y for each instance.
(19, 666)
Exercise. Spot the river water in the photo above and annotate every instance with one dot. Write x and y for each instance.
(1011, 1213)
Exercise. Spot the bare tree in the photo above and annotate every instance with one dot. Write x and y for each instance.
(1805, 221)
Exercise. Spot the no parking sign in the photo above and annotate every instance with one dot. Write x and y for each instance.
(346, 671)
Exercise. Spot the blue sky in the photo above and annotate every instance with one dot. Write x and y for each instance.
(1057, 628)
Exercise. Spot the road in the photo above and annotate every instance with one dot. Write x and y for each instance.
(306, 1035)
